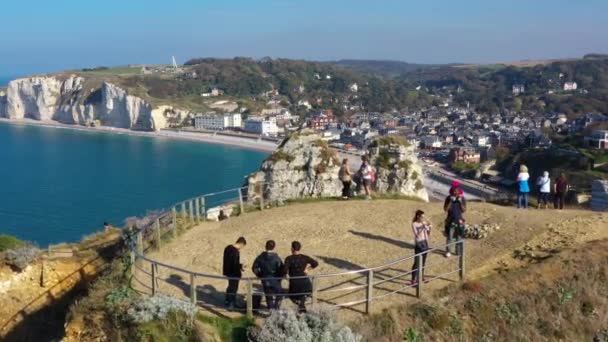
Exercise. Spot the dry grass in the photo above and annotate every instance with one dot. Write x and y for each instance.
(563, 298)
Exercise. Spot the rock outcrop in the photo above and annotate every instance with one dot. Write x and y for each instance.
(75, 100)
(397, 168)
(303, 166)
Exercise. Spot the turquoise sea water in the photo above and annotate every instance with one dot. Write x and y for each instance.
(59, 185)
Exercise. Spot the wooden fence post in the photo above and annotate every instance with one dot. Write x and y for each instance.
(370, 291)
(196, 209)
(132, 259)
(153, 273)
(157, 232)
(249, 298)
(241, 201)
(203, 211)
(192, 289)
(419, 276)
(461, 262)
(313, 295)
(183, 210)
(140, 243)
(191, 210)
(174, 222)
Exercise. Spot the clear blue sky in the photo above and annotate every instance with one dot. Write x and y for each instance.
(47, 35)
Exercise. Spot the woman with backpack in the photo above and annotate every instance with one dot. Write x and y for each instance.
(544, 189)
(455, 207)
(367, 176)
(422, 235)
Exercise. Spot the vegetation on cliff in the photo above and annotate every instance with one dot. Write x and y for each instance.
(556, 299)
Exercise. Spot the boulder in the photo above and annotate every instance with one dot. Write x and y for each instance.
(303, 166)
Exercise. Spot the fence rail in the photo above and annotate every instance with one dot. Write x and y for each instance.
(338, 290)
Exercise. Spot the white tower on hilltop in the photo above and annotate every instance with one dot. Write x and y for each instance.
(174, 62)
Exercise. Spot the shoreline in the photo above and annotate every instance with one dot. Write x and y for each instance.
(202, 137)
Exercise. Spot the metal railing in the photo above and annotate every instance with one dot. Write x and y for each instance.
(338, 290)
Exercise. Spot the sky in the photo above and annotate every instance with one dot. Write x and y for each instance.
(38, 36)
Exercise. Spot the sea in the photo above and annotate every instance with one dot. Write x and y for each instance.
(58, 185)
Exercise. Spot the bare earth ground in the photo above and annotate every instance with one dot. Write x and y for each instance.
(358, 234)
(21, 294)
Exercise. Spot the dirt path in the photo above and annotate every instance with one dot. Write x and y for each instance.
(352, 235)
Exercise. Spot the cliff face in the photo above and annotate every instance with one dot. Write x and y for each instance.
(76, 100)
(303, 166)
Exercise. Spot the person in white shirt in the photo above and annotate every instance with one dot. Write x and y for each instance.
(543, 184)
(422, 234)
(366, 173)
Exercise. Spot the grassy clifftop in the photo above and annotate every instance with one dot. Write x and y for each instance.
(563, 298)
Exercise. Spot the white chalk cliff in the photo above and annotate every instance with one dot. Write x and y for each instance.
(76, 100)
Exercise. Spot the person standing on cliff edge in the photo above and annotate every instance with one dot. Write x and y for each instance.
(233, 268)
(345, 176)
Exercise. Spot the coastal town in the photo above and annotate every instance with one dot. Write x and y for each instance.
(456, 138)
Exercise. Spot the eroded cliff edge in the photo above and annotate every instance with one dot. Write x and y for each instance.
(76, 100)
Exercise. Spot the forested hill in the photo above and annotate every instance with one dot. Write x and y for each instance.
(489, 87)
(382, 68)
(385, 86)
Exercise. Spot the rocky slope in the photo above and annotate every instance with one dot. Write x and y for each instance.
(72, 99)
(304, 166)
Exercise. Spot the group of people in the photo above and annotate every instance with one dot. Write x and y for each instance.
(271, 269)
(543, 189)
(363, 178)
(454, 206)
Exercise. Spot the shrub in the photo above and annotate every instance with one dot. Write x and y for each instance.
(312, 326)
(18, 258)
(391, 140)
(412, 335)
(281, 155)
(405, 165)
(418, 185)
(9, 242)
(158, 307)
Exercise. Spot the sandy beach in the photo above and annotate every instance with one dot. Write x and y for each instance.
(202, 137)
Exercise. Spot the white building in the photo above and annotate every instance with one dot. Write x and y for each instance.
(214, 121)
(480, 140)
(599, 140)
(354, 87)
(518, 89)
(284, 115)
(568, 86)
(262, 126)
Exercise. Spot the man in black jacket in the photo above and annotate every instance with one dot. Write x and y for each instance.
(234, 269)
(269, 265)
